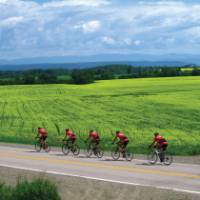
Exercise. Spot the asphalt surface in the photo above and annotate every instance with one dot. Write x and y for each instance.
(179, 177)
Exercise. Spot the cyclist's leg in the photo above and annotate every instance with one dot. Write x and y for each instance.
(44, 141)
(40, 140)
(69, 143)
(162, 152)
(158, 148)
(89, 145)
(121, 147)
(96, 146)
(73, 144)
(124, 145)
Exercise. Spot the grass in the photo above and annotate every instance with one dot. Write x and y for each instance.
(38, 189)
(139, 107)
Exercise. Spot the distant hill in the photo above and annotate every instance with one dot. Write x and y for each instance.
(17, 67)
(98, 60)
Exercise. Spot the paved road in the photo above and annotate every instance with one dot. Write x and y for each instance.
(181, 177)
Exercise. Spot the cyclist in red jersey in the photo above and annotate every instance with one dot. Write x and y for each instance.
(69, 136)
(93, 139)
(160, 143)
(42, 134)
(123, 141)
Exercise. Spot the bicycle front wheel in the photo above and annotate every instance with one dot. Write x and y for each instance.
(65, 149)
(115, 154)
(168, 159)
(38, 146)
(89, 152)
(152, 158)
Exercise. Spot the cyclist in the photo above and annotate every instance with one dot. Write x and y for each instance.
(69, 136)
(42, 135)
(94, 140)
(123, 141)
(160, 143)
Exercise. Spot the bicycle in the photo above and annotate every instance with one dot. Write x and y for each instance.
(94, 149)
(39, 145)
(118, 151)
(68, 146)
(156, 154)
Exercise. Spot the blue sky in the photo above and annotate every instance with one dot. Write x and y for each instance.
(43, 28)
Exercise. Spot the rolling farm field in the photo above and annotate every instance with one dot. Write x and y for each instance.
(139, 107)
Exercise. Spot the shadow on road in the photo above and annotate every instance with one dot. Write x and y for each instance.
(111, 160)
(146, 164)
(32, 151)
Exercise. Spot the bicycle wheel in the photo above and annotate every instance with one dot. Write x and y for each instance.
(76, 150)
(38, 146)
(100, 153)
(129, 156)
(168, 159)
(89, 152)
(115, 154)
(65, 149)
(152, 158)
(47, 148)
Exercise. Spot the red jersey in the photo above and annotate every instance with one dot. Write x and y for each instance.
(160, 140)
(94, 135)
(70, 134)
(122, 137)
(42, 132)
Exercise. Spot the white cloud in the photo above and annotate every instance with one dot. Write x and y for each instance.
(108, 40)
(137, 42)
(91, 26)
(12, 21)
(193, 32)
(128, 41)
(63, 3)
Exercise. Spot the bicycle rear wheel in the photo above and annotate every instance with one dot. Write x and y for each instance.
(38, 146)
(76, 150)
(152, 158)
(168, 159)
(115, 154)
(100, 153)
(129, 156)
(65, 149)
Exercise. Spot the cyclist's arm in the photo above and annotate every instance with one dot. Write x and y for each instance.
(87, 139)
(115, 138)
(65, 137)
(152, 144)
(38, 135)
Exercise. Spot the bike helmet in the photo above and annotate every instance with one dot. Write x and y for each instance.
(156, 134)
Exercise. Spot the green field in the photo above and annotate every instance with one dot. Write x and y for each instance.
(139, 107)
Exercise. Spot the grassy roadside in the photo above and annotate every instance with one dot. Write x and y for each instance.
(37, 189)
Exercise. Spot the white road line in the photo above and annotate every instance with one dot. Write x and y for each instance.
(98, 179)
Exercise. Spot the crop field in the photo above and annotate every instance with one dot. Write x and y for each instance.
(139, 107)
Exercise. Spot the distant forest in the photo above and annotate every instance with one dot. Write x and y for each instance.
(90, 75)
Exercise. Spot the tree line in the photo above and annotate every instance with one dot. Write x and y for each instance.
(90, 75)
